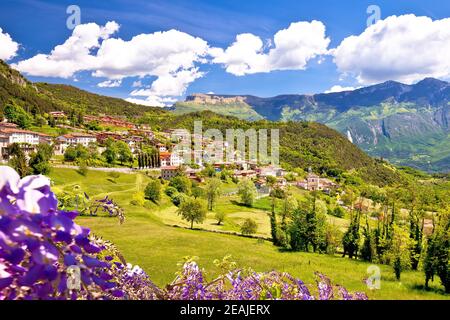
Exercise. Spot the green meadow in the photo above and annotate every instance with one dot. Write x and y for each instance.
(155, 238)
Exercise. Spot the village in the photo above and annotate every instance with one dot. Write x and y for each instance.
(165, 158)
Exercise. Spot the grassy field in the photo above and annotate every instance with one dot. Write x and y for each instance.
(147, 239)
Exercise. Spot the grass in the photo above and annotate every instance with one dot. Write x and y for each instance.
(146, 239)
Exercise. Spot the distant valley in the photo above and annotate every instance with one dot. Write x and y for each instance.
(406, 124)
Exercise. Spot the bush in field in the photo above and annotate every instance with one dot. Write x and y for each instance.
(181, 184)
(138, 199)
(153, 191)
(178, 198)
(170, 191)
(247, 191)
(338, 212)
(249, 227)
(220, 217)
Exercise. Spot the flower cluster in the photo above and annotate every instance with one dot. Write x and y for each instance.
(109, 206)
(44, 254)
(240, 284)
(40, 246)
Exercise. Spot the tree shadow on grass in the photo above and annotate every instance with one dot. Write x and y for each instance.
(239, 204)
(421, 287)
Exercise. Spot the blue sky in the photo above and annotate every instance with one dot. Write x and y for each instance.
(39, 26)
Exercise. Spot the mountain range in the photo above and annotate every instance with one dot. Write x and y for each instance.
(406, 124)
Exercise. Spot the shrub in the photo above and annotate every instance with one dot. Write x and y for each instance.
(138, 199)
(153, 191)
(249, 227)
(178, 198)
(170, 191)
(338, 212)
(220, 217)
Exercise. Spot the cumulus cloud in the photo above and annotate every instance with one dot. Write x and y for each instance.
(291, 49)
(156, 54)
(110, 84)
(168, 86)
(170, 56)
(338, 88)
(72, 56)
(8, 47)
(405, 48)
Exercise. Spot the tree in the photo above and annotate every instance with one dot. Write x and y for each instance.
(197, 192)
(437, 257)
(75, 153)
(193, 210)
(208, 171)
(18, 160)
(212, 190)
(333, 238)
(111, 151)
(398, 255)
(249, 227)
(124, 154)
(271, 181)
(220, 217)
(70, 154)
(308, 228)
(153, 191)
(350, 241)
(39, 161)
(16, 114)
(247, 191)
(181, 183)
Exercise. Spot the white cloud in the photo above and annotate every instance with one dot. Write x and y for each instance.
(156, 54)
(110, 84)
(338, 88)
(168, 86)
(153, 101)
(8, 47)
(292, 49)
(405, 48)
(72, 56)
(170, 56)
(137, 84)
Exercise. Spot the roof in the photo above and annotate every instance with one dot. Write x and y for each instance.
(14, 130)
(164, 154)
(169, 168)
(74, 135)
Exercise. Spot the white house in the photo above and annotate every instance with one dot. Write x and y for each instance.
(73, 139)
(77, 138)
(29, 139)
(21, 136)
